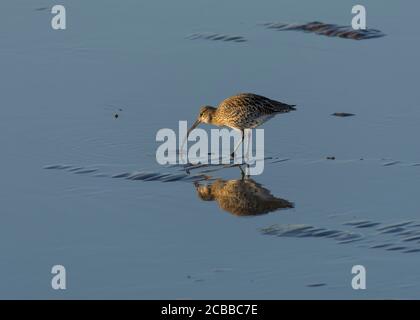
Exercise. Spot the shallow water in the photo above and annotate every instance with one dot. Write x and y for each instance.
(81, 187)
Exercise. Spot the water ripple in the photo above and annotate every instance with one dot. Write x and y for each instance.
(326, 29)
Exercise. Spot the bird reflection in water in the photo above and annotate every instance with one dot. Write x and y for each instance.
(244, 197)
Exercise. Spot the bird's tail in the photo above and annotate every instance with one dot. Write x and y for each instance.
(283, 107)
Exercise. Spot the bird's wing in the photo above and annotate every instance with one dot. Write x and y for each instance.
(253, 103)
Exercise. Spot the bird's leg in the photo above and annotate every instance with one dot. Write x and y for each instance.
(242, 173)
(232, 155)
(248, 144)
(244, 176)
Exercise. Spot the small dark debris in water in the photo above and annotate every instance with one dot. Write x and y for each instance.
(41, 9)
(343, 114)
(331, 158)
(330, 30)
(216, 36)
(115, 110)
(315, 285)
(188, 277)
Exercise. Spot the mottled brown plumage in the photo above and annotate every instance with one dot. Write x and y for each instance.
(242, 111)
(243, 197)
(247, 111)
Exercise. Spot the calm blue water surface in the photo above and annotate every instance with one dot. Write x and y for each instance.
(122, 238)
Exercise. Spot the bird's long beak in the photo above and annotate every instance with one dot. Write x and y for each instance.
(196, 123)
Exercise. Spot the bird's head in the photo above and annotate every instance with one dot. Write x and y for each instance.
(205, 116)
(204, 192)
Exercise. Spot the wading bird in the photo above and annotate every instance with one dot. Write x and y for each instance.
(240, 112)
